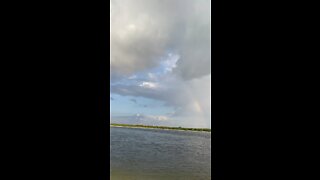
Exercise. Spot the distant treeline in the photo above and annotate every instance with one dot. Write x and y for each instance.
(161, 127)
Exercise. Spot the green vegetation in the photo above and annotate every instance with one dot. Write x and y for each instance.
(161, 127)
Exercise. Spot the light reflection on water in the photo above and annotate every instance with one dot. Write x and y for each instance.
(159, 154)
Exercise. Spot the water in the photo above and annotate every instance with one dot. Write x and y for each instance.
(152, 154)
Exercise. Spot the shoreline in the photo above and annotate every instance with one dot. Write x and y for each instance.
(161, 127)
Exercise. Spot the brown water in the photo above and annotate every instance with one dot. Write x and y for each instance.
(152, 154)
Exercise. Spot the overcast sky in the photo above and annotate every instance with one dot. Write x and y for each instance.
(161, 62)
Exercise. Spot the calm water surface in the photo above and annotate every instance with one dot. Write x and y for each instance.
(152, 154)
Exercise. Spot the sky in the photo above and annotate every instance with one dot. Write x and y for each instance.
(161, 62)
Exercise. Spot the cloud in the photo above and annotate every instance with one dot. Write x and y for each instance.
(132, 77)
(133, 100)
(188, 98)
(161, 49)
(142, 119)
(149, 85)
(144, 31)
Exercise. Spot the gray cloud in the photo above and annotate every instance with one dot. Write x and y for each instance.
(191, 99)
(143, 31)
(134, 100)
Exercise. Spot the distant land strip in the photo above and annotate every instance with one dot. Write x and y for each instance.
(160, 127)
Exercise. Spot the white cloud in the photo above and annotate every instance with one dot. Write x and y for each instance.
(170, 63)
(133, 77)
(150, 85)
(142, 119)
